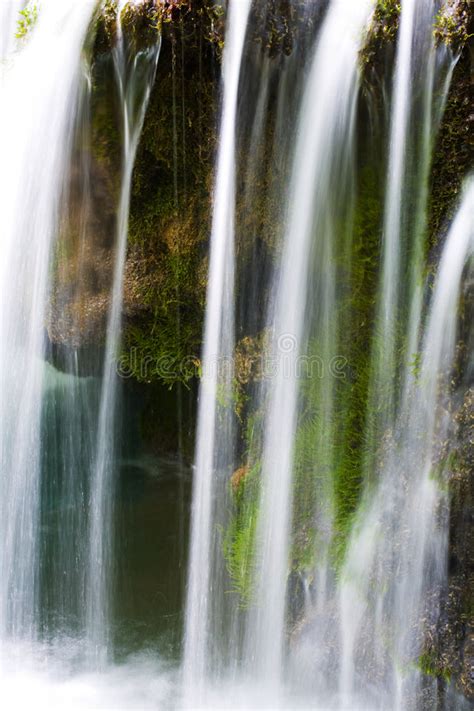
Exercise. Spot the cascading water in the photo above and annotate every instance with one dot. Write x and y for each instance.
(57, 444)
(319, 166)
(415, 113)
(308, 317)
(40, 93)
(135, 75)
(335, 366)
(214, 437)
(393, 509)
(396, 561)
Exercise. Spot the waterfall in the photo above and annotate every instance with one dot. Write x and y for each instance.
(415, 112)
(319, 167)
(58, 441)
(307, 320)
(326, 566)
(40, 95)
(367, 600)
(214, 436)
(440, 339)
(135, 73)
(402, 94)
(397, 558)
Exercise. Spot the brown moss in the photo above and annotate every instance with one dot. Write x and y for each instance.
(84, 255)
(237, 479)
(166, 268)
(140, 22)
(249, 358)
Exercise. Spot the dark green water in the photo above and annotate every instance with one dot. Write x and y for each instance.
(151, 514)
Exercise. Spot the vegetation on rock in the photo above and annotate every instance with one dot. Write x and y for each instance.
(27, 19)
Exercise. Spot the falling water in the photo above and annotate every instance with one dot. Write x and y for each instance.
(9, 10)
(321, 143)
(135, 74)
(400, 309)
(402, 95)
(40, 96)
(416, 106)
(212, 435)
(50, 431)
(397, 559)
(309, 611)
(308, 312)
(440, 340)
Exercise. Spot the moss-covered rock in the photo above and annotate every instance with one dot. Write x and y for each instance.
(453, 151)
(453, 25)
(381, 34)
(165, 277)
(140, 21)
(83, 262)
(449, 634)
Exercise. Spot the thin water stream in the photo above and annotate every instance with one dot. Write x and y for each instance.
(135, 73)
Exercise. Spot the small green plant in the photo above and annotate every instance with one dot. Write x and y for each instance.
(428, 664)
(239, 539)
(415, 365)
(27, 20)
(382, 30)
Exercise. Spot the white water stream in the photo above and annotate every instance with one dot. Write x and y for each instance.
(135, 75)
(212, 434)
(39, 97)
(319, 169)
(396, 563)
(9, 15)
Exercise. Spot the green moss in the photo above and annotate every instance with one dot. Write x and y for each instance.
(331, 468)
(382, 32)
(239, 538)
(429, 664)
(27, 20)
(165, 280)
(327, 468)
(453, 23)
(156, 345)
(357, 332)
